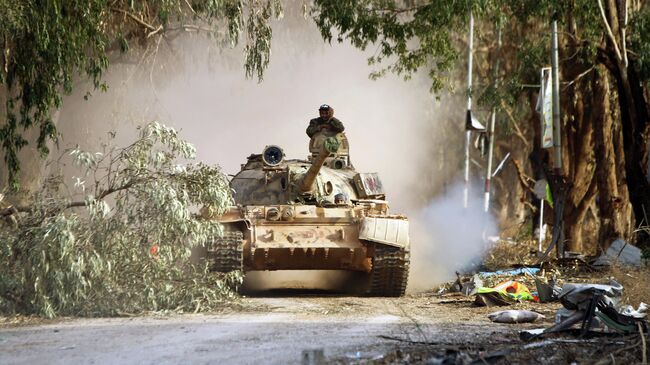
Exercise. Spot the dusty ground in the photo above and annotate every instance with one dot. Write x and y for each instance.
(274, 329)
(281, 326)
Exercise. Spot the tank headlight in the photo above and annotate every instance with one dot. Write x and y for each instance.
(272, 155)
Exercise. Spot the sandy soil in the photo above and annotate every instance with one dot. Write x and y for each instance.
(274, 329)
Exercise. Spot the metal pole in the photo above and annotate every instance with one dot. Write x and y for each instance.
(541, 226)
(488, 176)
(557, 145)
(468, 133)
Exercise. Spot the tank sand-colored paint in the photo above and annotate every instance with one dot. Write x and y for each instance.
(318, 214)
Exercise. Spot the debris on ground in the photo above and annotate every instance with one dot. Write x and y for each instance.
(596, 308)
(466, 285)
(620, 252)
(503, 294)
(515, 316)
(510, 272)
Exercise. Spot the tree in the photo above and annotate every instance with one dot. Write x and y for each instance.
(118, 241)
(45, 44)
(604, 65)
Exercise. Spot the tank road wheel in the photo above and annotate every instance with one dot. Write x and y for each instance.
(390, 271)
(225, 253)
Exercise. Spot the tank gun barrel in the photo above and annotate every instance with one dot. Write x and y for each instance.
(330, 145)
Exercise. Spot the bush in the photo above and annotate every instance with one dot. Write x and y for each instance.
(124, 247)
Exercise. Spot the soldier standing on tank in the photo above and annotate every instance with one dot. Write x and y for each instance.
(325, 121)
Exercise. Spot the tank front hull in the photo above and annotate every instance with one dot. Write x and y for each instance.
(354, 259)
(267, 238)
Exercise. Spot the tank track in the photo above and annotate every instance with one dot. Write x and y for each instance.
(225, 253)
(390, 271)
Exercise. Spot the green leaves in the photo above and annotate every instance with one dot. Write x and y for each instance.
(640, 42)
(126, 246)
(47, 44)
(408, 36)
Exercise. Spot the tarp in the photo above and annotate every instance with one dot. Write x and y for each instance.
(505, 293)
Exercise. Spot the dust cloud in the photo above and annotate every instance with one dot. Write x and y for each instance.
(455, 237)
(395, 128)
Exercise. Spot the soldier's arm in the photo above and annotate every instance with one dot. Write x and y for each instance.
(313, 128)
(337, 126)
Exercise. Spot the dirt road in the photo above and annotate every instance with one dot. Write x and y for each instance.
(275, 329)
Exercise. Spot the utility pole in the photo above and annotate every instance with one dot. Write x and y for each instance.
(488, 175)
(559, 185)
(468, 121)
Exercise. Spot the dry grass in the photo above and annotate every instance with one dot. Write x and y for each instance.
(636, 283)
(505, 254)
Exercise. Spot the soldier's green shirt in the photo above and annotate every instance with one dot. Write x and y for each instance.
(333, 124)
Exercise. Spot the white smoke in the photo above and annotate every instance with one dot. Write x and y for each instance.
(449, 237)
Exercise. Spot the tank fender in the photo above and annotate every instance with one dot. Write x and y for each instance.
(389, 231)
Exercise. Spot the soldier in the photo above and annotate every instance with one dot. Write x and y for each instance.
(325, 121)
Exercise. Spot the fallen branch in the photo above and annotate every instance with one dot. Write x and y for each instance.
(103, 194)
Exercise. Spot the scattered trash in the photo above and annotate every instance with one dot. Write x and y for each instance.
(596, 307)
(514, 316)
(547, 291)
(510, 272)
(620, 252)
(640, 312)
(505, 293)
(466, 285)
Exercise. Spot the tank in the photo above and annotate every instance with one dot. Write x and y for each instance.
(318, 213)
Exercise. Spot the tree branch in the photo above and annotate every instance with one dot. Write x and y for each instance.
(103, 194)
(518, 131)
(623, 35)
(137, 20)
(522, 176)
(609, 30)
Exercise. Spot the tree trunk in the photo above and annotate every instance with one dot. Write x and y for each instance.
(578, 144)
(633, 108)
(614, 206)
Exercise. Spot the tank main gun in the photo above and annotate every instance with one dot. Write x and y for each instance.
(330, 145)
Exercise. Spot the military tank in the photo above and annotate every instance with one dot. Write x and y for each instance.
(313, 214)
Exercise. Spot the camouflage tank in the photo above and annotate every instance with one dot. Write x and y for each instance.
(318, 214)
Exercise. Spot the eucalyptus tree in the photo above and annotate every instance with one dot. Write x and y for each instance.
(605, 55)
(46, 44)
(119, 240)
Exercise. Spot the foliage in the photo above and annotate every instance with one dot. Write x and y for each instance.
(126, 246)
(45, 44)
(640, 42)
